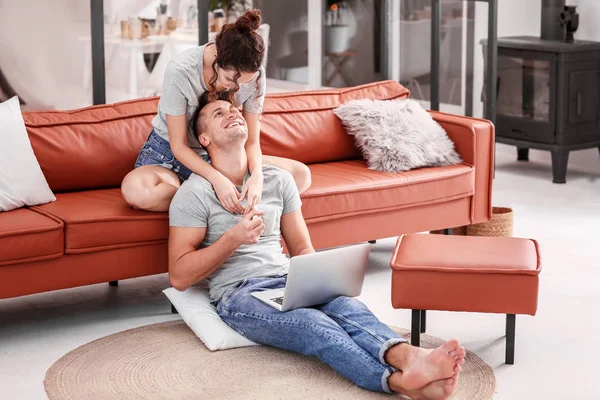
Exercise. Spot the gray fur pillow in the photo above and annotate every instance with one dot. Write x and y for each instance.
(397, 135)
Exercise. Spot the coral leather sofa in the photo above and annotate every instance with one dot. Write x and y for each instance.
(90, 235)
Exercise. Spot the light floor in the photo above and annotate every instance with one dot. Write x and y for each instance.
(557, 351)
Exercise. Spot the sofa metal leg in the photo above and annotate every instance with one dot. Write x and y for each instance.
(449, 231)
(372, 241)
(114, 283)
(173, 309)
(415, 332)
(423, 320)
(511, 321)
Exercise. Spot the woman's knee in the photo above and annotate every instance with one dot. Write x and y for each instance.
(140, 189)
(136, 193)
(302, 176)
(300, 172)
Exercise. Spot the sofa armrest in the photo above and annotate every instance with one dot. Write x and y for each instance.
(474, 140)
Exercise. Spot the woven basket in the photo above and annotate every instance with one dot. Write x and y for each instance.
(501, 224)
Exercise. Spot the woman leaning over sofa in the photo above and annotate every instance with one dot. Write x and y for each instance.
(171, 152)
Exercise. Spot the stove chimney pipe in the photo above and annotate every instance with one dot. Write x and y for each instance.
(551, 21)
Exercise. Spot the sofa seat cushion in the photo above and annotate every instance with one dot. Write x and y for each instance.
(98, 220)
(26, 235)
(346, 188)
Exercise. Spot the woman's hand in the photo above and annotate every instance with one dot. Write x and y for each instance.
(253, 191)
(228, 195)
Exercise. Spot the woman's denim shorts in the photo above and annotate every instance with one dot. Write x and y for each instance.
(157, 151)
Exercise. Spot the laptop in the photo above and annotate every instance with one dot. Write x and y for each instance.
(318, 278)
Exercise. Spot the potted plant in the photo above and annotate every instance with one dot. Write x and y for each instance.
(337, 32)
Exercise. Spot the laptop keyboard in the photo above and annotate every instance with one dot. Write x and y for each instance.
(278, 300)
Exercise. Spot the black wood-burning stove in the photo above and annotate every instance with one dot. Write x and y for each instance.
(548, 95)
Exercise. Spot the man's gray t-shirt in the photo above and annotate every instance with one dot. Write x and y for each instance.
(184, 84)
(196, 205)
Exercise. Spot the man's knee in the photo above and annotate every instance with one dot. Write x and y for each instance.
(345, 301)
(344, 305)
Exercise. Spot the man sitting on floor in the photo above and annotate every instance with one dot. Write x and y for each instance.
(238, 256)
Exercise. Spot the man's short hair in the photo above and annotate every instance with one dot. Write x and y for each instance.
(203, 100)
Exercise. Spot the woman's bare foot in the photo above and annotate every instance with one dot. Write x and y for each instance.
(421, 367)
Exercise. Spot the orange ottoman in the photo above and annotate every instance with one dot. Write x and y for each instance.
(466, 273)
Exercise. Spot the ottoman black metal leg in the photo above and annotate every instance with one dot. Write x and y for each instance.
(522, 154)
(114, 283)
(423, 320)
(511, 320)
(173, 309)
(415, 332)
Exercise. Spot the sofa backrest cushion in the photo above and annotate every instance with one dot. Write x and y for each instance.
(95, 147)
(90, 148)
(302, 125)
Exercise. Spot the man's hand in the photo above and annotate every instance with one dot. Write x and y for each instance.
(253, 190)
(249, 229)
(228, 194)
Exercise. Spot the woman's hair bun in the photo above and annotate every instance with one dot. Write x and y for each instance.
(250, 20)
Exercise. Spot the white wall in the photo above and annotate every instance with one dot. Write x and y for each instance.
(589, 15)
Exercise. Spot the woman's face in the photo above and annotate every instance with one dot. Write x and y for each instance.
(226, 77)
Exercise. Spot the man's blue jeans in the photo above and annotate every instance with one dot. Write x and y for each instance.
(342, 333)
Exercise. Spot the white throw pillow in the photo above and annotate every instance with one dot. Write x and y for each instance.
(21, 179)
(201, 316)
(397, 135)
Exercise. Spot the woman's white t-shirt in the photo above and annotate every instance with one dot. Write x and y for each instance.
(184, 84)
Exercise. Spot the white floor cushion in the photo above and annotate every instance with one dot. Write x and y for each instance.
(201, 316)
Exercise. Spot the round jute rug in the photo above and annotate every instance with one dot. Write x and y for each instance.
(167, 361)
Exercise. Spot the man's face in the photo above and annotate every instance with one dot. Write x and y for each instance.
(221, 124)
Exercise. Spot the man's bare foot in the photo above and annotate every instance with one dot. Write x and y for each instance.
(437, 390)
(459, 355)
(421, 367)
